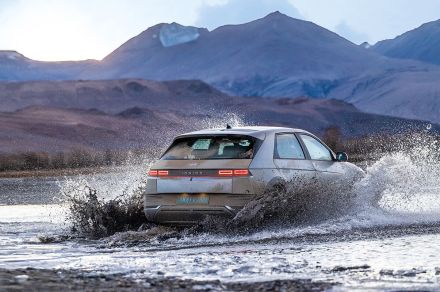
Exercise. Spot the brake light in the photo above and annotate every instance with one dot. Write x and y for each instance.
(225, 172)
(162, 173)
(233, 172)
(241, 172)
(158, 173)
(152, 173)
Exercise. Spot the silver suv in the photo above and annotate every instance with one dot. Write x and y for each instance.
(218, 171)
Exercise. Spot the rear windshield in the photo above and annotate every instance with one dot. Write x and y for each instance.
(217, 147)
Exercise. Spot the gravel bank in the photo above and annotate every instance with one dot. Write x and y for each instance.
(67, 280)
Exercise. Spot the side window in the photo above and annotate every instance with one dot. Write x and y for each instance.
(288, 147)
(316, 150)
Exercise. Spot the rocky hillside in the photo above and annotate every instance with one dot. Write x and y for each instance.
(422, 43)
(145, 115)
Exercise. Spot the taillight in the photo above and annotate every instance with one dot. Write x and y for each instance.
(158, 173)
(233, 172)
(152, 173)
(162, 173)
(225, 172)
(241, 172)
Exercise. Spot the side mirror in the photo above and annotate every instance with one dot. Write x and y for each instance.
(341, 156)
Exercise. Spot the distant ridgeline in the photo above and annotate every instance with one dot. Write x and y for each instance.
(276, 56)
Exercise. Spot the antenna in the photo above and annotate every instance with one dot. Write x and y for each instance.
(228, 126)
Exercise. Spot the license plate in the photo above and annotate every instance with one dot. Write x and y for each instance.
(194, 186)
(185, 199)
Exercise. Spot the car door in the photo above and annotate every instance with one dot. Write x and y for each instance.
(290, 158)
(321, 158)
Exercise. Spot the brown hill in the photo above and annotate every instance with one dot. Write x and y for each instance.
(146, 115)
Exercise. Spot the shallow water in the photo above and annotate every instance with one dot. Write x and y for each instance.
(404, 257)
(389, 245)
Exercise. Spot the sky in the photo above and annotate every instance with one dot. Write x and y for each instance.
(53, 30)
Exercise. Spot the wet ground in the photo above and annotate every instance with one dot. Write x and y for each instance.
(57, 280)
(389, 246)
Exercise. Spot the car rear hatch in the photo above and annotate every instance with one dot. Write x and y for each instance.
(210, 164)
(201, 176)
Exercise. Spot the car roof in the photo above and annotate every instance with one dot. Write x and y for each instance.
(254, 131)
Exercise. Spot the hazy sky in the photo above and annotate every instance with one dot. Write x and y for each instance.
(86, 29)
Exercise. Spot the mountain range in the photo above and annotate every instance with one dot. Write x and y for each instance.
(14, 66)
(273, 57)
(422, 44)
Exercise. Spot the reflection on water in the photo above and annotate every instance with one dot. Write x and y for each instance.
(15, 191)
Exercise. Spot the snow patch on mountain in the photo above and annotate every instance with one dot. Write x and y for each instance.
(174, 34)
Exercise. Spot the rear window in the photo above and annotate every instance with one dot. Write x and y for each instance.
(217, 147)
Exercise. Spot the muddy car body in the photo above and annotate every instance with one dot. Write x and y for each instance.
(218, 171)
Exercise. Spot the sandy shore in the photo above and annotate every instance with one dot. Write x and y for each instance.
(67, 280)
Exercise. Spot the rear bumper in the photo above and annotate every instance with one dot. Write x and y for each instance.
(223, 197)
(183, 216)
(162, 208)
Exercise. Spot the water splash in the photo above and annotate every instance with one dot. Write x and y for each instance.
(220, 121)
(401, 188)
(404, 182)
(102, 205)
(95, 218)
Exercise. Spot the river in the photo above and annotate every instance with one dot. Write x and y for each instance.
(392, 246)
